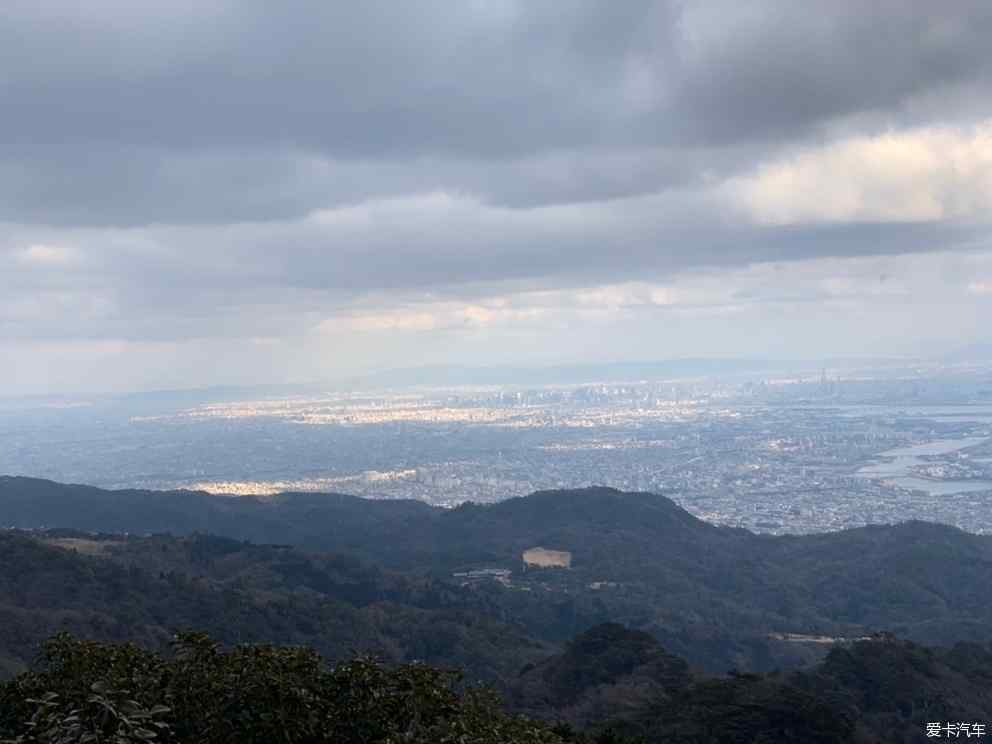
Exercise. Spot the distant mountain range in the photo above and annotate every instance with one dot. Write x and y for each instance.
(972, 353)
(450, 375)
(668, 369)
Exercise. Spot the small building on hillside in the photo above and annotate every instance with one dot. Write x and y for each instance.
(468, 578)
(544, 558)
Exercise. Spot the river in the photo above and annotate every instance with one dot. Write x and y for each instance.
(898, 465)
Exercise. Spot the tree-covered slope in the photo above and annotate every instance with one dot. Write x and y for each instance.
(611, 685)
(144, 589)
(881, 690)
(200, 694)
(719, 597)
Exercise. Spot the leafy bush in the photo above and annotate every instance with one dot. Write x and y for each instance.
(120, 694)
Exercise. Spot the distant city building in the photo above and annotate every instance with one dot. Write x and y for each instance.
(544, 558)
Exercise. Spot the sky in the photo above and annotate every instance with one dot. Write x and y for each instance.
(220, 192)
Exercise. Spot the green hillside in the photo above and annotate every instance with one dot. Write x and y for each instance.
(721, 598)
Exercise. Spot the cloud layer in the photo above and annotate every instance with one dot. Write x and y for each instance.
(325, 188)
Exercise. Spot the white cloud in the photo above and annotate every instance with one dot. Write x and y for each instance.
(919, 175)
(394, 321)
(431, 316)
(46, 255)
(913, 303)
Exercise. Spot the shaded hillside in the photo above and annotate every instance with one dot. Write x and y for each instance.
(602, 527)
(879, 690)
(607, 673)
(321, 521)
(715, 596)
(201, 694)
(145, 589)
(611, 685)
(904, 577)
(405, 534)
(614, 679)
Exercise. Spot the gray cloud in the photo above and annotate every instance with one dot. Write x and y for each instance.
(172, 282)
(770, 70)
(123, 115)
(227, 170)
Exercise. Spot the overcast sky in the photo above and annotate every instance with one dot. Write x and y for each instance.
(197, 192)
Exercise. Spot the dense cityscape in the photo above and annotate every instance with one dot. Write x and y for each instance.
(785, 454)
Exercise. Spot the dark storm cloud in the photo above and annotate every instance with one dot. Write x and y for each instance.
(117, 113)
(392, 79)
(70, 185)
(763, 70)
(371, 79)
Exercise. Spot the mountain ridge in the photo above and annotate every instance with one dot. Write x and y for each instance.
(720, 597)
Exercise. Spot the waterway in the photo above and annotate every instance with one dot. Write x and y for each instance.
(943, 413)
(897, 467)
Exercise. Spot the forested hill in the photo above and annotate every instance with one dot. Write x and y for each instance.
(396, 533)
(877, 690)
(321, 521)
(144, 589)
(611, 685)
(718, 597)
